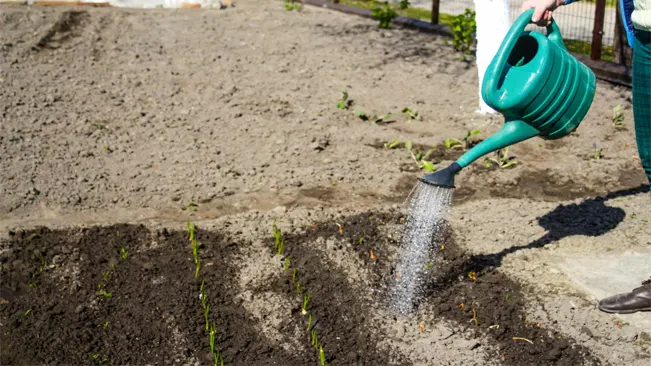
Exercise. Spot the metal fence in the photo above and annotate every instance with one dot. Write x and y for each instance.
(579, 23)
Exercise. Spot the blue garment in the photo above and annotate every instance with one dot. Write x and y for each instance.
(626, 7)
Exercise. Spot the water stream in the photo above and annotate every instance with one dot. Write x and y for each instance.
(428, 205)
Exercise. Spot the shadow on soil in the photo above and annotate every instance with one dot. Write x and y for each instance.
(589, 218)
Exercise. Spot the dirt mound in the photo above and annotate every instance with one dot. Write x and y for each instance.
(70, 24)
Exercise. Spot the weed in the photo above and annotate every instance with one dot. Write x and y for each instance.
(503, 159)
(344, 102)
(385, 15)
(463, 29)
(306, 299)
(124, 254)
(412, 115)
(618, 116)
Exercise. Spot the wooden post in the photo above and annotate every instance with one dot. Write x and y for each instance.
(622, 52)
(435, 11)
(598, 29)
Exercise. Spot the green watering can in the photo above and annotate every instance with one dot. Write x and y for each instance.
(539, 87)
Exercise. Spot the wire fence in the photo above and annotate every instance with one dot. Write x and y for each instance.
(575, 20)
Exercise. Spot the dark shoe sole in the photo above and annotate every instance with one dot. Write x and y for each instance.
(623, 311)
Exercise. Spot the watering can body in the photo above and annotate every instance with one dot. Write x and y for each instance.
(539, 87)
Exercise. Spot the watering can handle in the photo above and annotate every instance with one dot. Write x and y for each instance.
(511, 38)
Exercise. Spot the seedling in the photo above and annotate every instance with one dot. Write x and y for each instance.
(298, 288)
(598, 153)
(374, 118)
(192, 206)
(503, 159)
(343, 102)
(322, 356)
(286, 264)
(294, 276)
(391, 145)
(464, 143)
(361, 240)
(28, 311)
(385, 15)
(213, 330)
(306, 299)
(419, 158)
(280, 239)
(412, 115)
(315, 340)
(618, 116)
(292, 5)
(309, 321)
(124, 254)
(191, 230)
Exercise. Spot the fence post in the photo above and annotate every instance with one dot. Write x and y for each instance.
(435, 11)
(598, 29)
(622, 53)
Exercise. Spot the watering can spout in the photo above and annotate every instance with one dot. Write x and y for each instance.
(511, 133)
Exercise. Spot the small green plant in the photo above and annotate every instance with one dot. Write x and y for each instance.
(309, 321)
(420, 158)
(503, 159)
(463, 28)
(192, 206)
(391, 145)
(412, 114)
(618, 116)
(598, 154)
(322, 356)
(286, 264)
(344, 102)
(385, 15)
(124, 254)
(306, 299)
(374, 119)
(404, 4)
(292, 5)
(464, 143)
(204, 303)
(315, 339)
(294, 276)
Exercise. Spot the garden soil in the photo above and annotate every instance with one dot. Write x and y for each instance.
(120, 124)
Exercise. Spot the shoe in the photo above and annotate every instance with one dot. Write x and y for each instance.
(629, 302)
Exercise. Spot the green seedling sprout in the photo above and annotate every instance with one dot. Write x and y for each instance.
(322, 356)
(280, 239)
(28, 311)
(419, 158)
(298, 288)
(124, 254)
(191, 230)
(286, 266)
(192, 206)
(292, 5)
(598, 153)
(294, 276)
(315, 340)
(343, 102)
(618, 116)
(306, 299)
(503, 159)
(391, 145)
(361, 240)
(412, 115)
(213, 330)
(309, 321)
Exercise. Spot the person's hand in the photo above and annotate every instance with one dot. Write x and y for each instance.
(542, 16)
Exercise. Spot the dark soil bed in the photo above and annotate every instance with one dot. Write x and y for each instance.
(147, 311)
